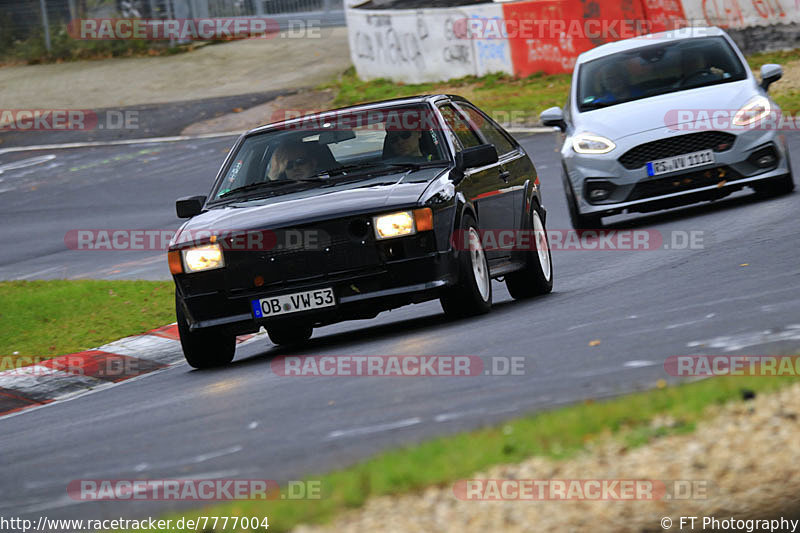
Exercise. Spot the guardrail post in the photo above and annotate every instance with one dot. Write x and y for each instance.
(46, 25)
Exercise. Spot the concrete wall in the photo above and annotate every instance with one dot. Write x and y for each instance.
(414, 46)
(437, 44)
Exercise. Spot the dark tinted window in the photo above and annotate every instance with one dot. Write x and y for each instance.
(658, 69)
(460, 127)
(489, 129)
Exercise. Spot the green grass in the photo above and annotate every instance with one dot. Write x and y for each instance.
(51, 318)
(557, 434)
(519, 101)
(506, 98)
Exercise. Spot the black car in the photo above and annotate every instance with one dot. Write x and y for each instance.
(347, 213)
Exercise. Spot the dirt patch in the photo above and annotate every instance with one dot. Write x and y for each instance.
(746, 453)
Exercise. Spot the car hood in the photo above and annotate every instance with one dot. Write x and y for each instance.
(373, 194)
(657, 112)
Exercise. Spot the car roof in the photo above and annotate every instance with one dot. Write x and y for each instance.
(393, 102)
(692, 32)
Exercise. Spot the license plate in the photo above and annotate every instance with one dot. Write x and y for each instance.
(292, 303)
(680, 162)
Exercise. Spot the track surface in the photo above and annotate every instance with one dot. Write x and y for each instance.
(244, 421)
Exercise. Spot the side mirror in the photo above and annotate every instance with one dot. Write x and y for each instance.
(770, 73)
(189, 206)
(476, 156)
(553, 116)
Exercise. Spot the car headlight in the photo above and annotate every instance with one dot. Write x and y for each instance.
(402, 223)
(756, 109)
(589, 143)
(204, 257)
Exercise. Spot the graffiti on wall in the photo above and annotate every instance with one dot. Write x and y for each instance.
(380, 42)
(570, 28)
(425, 45)
(737, 14)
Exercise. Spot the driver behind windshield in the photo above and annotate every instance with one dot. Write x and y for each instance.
(293, 160)
(697, 69)
(615, 84)
(402, 144)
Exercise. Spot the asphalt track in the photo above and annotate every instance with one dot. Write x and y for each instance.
(738, 293)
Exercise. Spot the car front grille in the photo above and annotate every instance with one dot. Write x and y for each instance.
(334, 249)
(719, 141)
(684, 182)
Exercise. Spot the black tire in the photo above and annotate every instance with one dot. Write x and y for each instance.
(776, 186)
(283, 335)
(578, 220)
(204, 349)
(467, 298)
(534, 279)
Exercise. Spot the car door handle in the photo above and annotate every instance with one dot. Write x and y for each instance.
(504, 175)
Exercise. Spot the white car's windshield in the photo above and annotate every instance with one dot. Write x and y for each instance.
(657, 69)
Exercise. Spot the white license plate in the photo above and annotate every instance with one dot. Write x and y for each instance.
(680, 162)
(292, 303)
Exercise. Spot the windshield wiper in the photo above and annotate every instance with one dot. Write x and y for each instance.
(598, 105)
(416, 164)
(259, 185)
(376, 165)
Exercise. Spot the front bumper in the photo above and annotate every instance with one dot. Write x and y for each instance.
(730, 172)
(358, 295)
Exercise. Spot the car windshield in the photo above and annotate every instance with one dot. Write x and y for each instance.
(326, 149)
(657, 69)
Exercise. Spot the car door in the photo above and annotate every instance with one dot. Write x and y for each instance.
(515, 166)
(482, 186)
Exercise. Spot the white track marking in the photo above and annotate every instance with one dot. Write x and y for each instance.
(31, 161)
(638, 364)
(149, 140)
(729, 343)
(202, 458)
(367, 430)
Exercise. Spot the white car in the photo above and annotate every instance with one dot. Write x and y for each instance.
(667, 119)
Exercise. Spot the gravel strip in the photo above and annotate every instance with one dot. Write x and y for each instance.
(747, 453)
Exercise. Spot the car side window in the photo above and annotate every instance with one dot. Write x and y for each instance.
(459, 127)
(490, 130)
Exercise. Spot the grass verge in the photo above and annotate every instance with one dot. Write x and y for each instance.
(51, 318)
(518, 101)
(557, 434)
(505, 98)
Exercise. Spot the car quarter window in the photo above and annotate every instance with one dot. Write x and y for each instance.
(491, 132)
(459, 128)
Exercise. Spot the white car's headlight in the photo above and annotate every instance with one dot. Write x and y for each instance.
(403, 223)
(756, 109)
(589, 143)
(204, 257)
